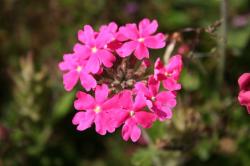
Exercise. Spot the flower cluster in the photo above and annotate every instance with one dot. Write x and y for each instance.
(114, 63)
(244, 94)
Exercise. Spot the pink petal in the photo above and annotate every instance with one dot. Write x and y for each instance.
(82, 51)
(140, 101)
(103, 38)
(158, 64)
(120, 35)
(174, 66)
(87, 81)
(126, 100)
(106, 57)
(70, 79)
(84, 101)
(67, 63)
(84, 120)
(244, 97)
(155, 42)
(125, 132)
(113, 27)
(112, 119)
(147, 28)
(117, 116)
(145, 119)
(244, 81)
(141, 87)
(135, 133)
(130, 31)
(153, 85)
(126, 49)
(163, 112)
(112, 103)
(100, 124)
(87, 35)
(166, 98)
(171, 84)
(127, 129)
(93, 64)
(141, 51)
(149, 104)
(101, 93)
(105, 121)
(64, 66)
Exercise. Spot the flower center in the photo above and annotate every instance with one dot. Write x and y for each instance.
(132, 113)
(94, 49)
(153, 98)
(97, 109)
(79, 69)
(141, 40)
(167, 74)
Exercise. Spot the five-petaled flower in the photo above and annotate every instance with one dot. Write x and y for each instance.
(133, 115)
(161, 103)
(74, 68)
(138, 40)
(95, 47)
(97, 110)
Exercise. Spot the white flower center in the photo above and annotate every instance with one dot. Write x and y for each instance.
(94, 49)
(167, 74)
(141, 39)
(153, 98)
(97, 109)
(79, 69)
(132, 113)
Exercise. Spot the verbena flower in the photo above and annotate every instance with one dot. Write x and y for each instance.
(126, 93)
(139, 39)
(96, 110)
(95, 47)
(74, 67)
(161, 103)
(170, 73)
(134, 115)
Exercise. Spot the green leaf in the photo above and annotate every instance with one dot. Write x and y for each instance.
(143, 157)
(63, 106)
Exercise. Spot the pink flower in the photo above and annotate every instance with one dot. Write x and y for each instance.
(95, 48)
(112, 29)
(98, 110)
(133, 115)
(140, 39)
(160, 103)
(170, 73)
(74, 67)
(244, 94)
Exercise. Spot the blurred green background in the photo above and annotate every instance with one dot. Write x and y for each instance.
(209, 127)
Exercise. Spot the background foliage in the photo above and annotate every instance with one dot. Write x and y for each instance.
(209, 127)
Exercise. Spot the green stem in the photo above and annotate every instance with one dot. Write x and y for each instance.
(222, 44)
